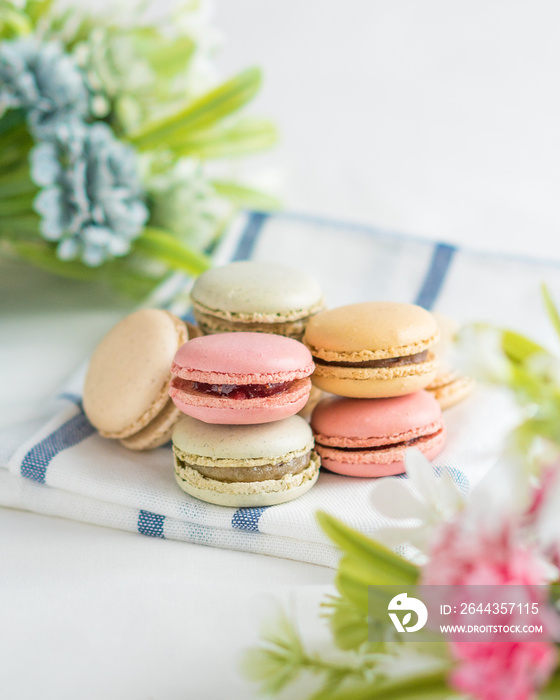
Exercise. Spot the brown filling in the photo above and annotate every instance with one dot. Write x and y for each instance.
(405, 443)
(388, 362)
(237, 392)
(247, 474)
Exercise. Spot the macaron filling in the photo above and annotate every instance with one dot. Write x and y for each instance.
(236, 392)
(241, 391)
(417, 358)
(262, 472)
(413, 442)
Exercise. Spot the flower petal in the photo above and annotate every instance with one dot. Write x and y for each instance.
(421, 473)
(394, 498)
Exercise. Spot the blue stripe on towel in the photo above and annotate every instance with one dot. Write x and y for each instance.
(189, 317)
(247, 519)
(249, 236)
(35, 463)
(150, 524)
(70, 396)
(459, 477)
(439, 266)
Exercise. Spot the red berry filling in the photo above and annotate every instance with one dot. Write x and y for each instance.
(238, 392)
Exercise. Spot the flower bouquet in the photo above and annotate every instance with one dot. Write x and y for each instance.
(463, 558)
(108, 127)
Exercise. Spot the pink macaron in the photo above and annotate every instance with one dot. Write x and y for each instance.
(368, 437)
(241, 378)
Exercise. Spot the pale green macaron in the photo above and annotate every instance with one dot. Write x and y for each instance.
(245, 465)
(255, 296)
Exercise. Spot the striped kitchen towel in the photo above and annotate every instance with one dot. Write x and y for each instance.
(60, 466)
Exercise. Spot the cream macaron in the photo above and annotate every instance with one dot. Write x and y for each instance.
(372, 349)
(255, 296)
(126, 391)
(245, 465)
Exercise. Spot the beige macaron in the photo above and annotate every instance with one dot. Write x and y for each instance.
(126, 391)
(449, 386)
(372, 349)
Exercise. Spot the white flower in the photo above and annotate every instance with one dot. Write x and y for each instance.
(423, 501)
(480, 354)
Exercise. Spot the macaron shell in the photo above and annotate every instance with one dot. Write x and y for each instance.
(349, 423)
(251, 495)
(242, 358)
(370, 331)
(371, 384)
(210, 325)
(448, 329)
(128, 377)
(194, 331)
(450, 389)
(383, 463)
(248, 412)
(315, 395)
(238, 443)
(251, 290)
(157, 432)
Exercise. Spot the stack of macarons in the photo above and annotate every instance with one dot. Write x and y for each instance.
(241, 385)
(377, 358)
(229, 396)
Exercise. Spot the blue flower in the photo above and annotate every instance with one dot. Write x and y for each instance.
(91, 201)
(43, 80)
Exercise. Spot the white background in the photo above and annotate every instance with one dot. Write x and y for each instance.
(435, 118)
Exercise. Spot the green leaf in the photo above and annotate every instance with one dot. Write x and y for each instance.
(36, 9)
(371, 555)
(13, 23)
(278, 663)
(246, 136)
(12, 119)
(42, 255)
(348, 623)
(168, 57)
(551, 309)
(20, 204)
(428, 686)
(518, 348)
(201, 114)
(116, 272)
(21, 225)
(552, 690)
(15, 181)
(161, 245)
(246, 197)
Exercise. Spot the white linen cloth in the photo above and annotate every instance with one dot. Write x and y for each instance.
(61, 466)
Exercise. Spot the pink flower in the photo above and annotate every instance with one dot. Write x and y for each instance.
(466, 552)
(463, 553)
(494, 671)
(540, 492)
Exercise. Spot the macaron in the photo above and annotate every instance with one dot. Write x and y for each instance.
(245, 465)
(372, 349)
(255, 296)
(449, 386)
(369, 437)
(126, 391)
(241, 378)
